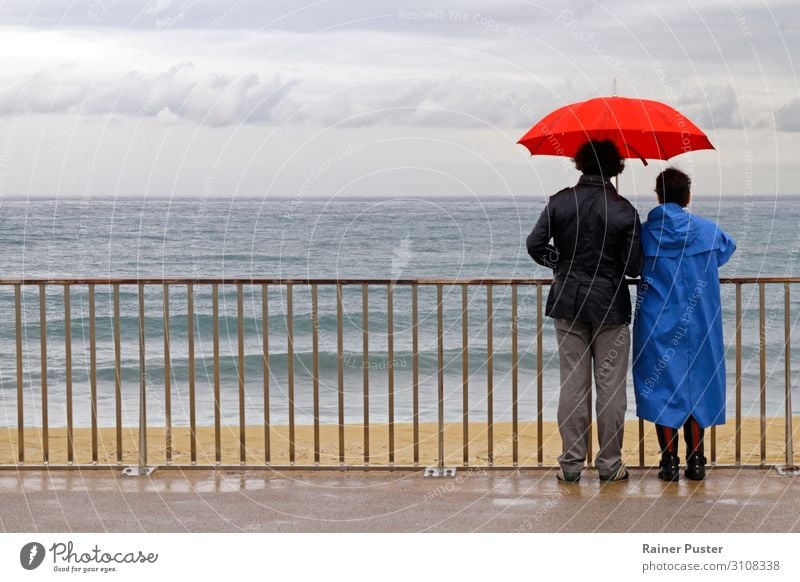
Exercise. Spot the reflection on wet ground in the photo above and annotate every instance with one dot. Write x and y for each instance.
(475, 500)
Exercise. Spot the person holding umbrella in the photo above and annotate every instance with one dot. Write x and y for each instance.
(595, 234)
(678, 346)
(596, 244)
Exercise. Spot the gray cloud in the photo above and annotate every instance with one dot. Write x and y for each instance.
(787, 118)
(184, 92)
(456, 101)
(714, 108)
(180, 92)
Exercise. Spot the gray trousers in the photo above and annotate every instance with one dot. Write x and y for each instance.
(583, 347)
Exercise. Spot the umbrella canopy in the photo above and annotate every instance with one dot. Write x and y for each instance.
(640, 128)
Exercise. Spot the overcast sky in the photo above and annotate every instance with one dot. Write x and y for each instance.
(349, 98)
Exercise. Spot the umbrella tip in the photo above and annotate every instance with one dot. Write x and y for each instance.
(614, 89)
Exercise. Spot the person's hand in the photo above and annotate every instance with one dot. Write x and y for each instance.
(551, 256)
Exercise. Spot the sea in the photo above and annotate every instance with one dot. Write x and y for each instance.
(389, 238)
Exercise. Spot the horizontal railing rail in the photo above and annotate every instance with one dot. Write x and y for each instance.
(332, 281)
(328, 448)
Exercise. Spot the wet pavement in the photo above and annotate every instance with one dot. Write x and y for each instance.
(729, 500)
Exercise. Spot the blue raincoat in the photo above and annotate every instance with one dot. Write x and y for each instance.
(678, 347)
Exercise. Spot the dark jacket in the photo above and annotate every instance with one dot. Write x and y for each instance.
(595, 234)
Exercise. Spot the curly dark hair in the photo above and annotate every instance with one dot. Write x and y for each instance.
(600, 158)
(672, 185)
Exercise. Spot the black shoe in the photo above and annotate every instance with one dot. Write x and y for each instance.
(695, 467)
(668, 469)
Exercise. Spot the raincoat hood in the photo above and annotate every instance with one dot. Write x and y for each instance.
(671, 231)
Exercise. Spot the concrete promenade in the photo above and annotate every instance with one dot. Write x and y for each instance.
(170, 500)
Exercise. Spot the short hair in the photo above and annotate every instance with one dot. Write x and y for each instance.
(672, 185)
(599, 158)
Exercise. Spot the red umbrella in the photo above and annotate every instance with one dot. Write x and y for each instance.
(639, 127)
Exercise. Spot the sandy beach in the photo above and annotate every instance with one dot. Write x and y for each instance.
(378, 444)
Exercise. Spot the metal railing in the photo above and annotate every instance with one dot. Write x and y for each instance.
(336, 444)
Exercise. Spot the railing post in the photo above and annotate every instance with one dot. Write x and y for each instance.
(514, 379)
(641, 443)
(790, 468)
(390, 365)
(190, 347)
(43, 343)
(738, 397)
(242, 363)
(465, 374)
(539, 379)
(167, 380)
(440, 470)
(117, 376)
(20, 392)
(340, 373)
(365, 366)
(142, 386)
(315, 369)
(489, 376)
(217, 395)
(290, 368)
(142, 470)
(415, 371)
(266, 371)
(440, 372)
(68, 373)
(93, 371)
(788, 374)
(762, 373)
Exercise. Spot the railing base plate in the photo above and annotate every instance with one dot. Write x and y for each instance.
(439, 472)
(137, 471)
(788, 470)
